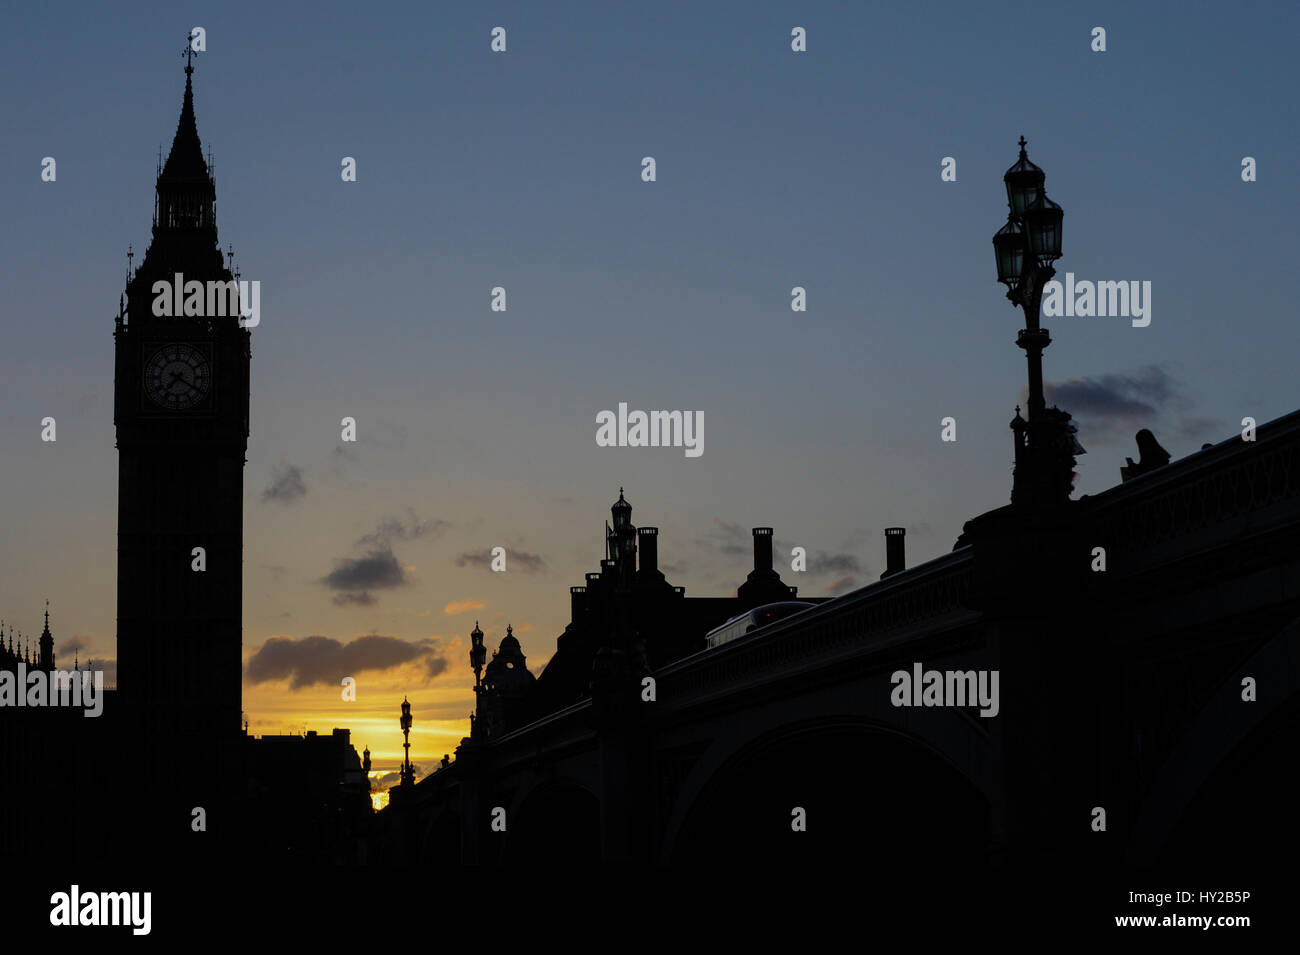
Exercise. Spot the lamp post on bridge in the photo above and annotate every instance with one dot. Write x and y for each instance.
(1025, 249)
(408, 771)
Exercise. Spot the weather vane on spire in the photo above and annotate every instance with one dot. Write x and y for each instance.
(190, 49)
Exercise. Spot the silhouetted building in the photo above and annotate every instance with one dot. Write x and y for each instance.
(168, 742)
(40, 659)
(308, 798)
(627, 616)
(181, 393)
(1130, 629)
(505, 697)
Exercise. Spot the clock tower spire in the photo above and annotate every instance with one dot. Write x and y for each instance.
(180, 408)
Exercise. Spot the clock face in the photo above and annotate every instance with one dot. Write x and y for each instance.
(177, 377)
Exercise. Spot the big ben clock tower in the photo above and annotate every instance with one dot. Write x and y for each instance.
(181, 411)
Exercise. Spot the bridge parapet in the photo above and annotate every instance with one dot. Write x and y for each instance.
(1235, 489)
(867, 621)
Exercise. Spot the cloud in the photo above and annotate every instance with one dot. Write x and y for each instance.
(274, 571)
(1116, 406)
(77, 650)
(728, 528)
(74, 651)
(71, 646)
(1124, 396)
(460, 606)
(532, 563)
(286, 485)
(378, 570)
(322, 660)
(347, 454)
(516, 559)
(727, 538)
(1202, 429)
(388, 780)
(435, 666)
(842, 586)
(110, 671)
(395, 529)
(823, 563)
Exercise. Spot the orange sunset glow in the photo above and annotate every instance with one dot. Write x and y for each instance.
(440, 706)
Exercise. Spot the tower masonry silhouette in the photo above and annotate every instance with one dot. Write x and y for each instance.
(181, 395)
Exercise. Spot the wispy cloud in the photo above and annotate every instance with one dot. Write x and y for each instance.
(727, 538)
(287, 485)
(460, 606)
(823, 563)
(515, 560)
(388, 780)
(379, 568)
(74, 644)
(392, 529)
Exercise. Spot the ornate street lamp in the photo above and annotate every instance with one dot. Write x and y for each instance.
(477, 653)
(408, 771)
(1023, 181)
(1024, 250)
(1043, 228)
(1009, 247)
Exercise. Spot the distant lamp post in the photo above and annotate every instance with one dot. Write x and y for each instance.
(408, 771)
(477, 657)
(1025, 250)
(477, 653)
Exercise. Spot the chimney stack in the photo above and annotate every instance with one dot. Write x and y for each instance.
(895, 559)
(762, 549)
(577, 600)
(648, 544)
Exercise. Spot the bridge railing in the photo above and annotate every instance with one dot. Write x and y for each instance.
(858, 623)
(571, 719)
(1213, 493)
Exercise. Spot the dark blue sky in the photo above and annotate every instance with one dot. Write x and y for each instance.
(522, 170)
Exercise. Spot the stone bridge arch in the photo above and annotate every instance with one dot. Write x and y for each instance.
(862, 781)
(1233, 769)
(440, 840)
(554, 819)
